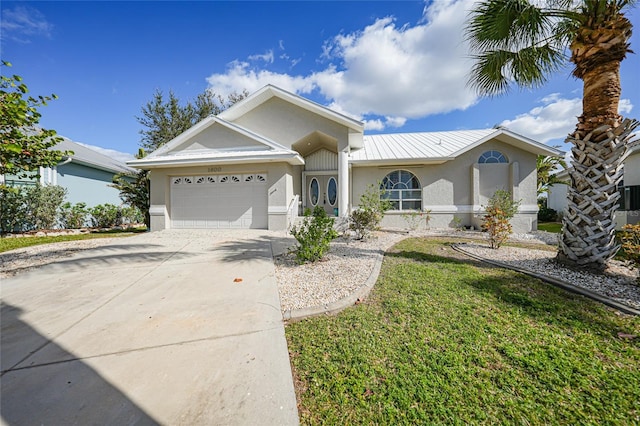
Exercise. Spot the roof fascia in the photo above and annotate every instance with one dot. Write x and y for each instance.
(205, 124)
(536, 147)
(93, 165)
(146, 164)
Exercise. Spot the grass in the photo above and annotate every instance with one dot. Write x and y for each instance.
(446, 341)
(13, 243)
(554, 227)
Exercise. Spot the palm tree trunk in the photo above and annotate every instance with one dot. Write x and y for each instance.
(588, 237)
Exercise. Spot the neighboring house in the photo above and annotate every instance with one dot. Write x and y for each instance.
(260, 162)
(629, 210)
(86, 175)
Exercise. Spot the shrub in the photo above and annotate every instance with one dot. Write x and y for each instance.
(73, 216)
(545, 214)
(371, 209)
(314, 235)
(131, 215)
(630, 238)
(414, 218)
(42, 204)
(12, 209)
(361, 222)
(499, 211)
(105, 216)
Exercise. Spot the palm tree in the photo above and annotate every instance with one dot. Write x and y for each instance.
(524, 42)
(546, 166)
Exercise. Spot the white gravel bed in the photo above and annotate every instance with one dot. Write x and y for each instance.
(618, 283)
(346, 268)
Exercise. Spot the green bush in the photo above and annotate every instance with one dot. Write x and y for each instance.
(73, 216)
(499, 211)
(314, 235)
(105, 216)
(371, 209)
(42, 206)
(546, 214)
(630, 238)
(131, 215)
(12, 209)
(362, 222)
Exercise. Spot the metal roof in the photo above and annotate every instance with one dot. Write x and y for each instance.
(90, 157)
(437, 147)
(409, 146)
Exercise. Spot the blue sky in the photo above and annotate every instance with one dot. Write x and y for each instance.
(399, 66)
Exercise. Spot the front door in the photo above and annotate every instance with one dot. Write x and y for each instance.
(322, 190)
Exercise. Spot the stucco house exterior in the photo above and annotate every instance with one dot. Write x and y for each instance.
(629, 210)
(86, 175)
(267, 158)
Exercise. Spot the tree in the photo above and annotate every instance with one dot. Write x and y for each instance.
(165, 119)
(25, 147)
(546, 166)
(523, 42)
(134, 189)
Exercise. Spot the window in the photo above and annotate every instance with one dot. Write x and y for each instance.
(403, 189)
(332, 191)
(314, 192)
(630, 199)
(492, 157)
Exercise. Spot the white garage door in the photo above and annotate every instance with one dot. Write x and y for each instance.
(219, 201)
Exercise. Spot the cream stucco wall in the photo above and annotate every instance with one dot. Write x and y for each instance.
(286, 123)
(218, 137)
(280, 189)
(448, 189)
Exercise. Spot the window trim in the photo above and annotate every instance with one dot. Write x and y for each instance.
(401, 199)
(486, 156)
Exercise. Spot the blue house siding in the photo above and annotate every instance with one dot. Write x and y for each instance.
(87, 185)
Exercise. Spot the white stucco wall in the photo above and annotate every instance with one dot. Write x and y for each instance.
(557, 197)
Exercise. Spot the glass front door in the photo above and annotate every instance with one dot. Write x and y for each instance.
(323, 191)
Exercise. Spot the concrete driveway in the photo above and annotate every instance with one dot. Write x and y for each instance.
(150, 329)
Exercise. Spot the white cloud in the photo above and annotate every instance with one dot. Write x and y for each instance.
(23, 22)
(266, 57)
(384, 73)
(625, 106)
(555, 119)
(111, 153)
(240, 76)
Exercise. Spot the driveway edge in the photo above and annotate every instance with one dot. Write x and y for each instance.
(556, 282)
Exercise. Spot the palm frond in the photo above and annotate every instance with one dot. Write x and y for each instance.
(495, 71)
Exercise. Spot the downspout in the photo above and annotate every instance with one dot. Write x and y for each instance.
(66, 161)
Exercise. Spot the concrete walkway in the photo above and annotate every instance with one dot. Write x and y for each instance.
(151, 329)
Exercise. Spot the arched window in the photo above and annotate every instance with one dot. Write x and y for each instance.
(403, 189)
(492, 157)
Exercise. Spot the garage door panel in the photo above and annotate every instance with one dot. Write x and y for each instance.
(215, 202)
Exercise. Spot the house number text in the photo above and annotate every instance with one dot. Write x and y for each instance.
(214, 169)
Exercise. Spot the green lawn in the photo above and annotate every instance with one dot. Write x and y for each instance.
(445, 341)
(12, 243)
(554, 227)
